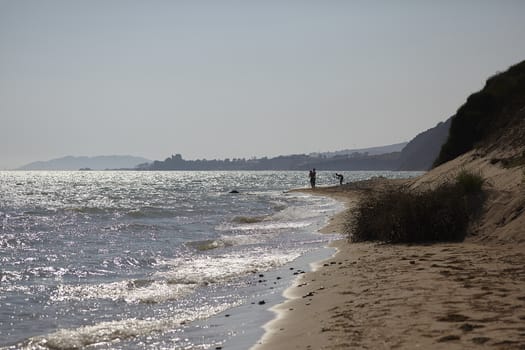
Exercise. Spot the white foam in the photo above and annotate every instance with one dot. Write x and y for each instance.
(114, 331)
(127, 291)
(213, 269)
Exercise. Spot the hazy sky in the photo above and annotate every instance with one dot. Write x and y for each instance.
(218, 79)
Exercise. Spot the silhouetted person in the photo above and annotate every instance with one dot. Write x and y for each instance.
(312, 177)
(340, 177)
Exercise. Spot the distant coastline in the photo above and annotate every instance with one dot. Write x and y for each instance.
(416, 155)
(84, 163)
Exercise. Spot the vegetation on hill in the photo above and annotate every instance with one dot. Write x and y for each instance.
(486, 114)
(400, 216)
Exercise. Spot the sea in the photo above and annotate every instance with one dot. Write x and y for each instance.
(154, 260)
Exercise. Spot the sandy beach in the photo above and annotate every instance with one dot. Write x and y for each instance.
(433, 296)
(370, 296)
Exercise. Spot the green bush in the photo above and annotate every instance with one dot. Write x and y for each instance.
(470, 183)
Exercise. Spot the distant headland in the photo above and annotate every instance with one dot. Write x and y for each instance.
(85, 163)
(418, 154)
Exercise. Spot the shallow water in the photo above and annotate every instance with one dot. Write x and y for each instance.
(149, 259)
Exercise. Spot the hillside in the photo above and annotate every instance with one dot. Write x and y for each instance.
(489, 115)
(422, 150)
(95, 163)
(491, 142)
(371, 151)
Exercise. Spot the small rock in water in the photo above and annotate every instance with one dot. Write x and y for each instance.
(262, 302)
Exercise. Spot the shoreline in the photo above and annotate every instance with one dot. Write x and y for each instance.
(378, 296)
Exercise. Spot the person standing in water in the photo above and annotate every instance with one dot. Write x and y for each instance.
(312, 177)
(340, 177)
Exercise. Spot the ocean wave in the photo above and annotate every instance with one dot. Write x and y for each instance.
(112, 331)
(265, 227)
(279, 206)
(12, 241)
(207, 244)
(226, 241)
(131, 292)
(206, 270)
(88, 210)
(249, 219)
(150, 212)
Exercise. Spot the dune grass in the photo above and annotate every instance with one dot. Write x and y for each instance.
(399, 216)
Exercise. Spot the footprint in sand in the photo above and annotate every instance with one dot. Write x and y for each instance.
(453, 318)
(449, 338)
(480, 340)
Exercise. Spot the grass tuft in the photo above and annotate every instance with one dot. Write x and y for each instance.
(470, 183)
(398, 216)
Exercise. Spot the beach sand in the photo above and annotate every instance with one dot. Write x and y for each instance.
(438, 296)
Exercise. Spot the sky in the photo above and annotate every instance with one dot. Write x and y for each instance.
(234, 79)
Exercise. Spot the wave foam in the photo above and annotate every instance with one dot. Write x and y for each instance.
(206, 270)
(132, 292)
(113, 331)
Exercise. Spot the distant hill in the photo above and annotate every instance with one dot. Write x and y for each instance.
(417, 154)
(371, 151)
(94, 163)
(488, 114)
(356, 161)
(421, 152)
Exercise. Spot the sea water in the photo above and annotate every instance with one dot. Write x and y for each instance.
(152, 260)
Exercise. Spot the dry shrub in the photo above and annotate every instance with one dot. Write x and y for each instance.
(398, 216)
